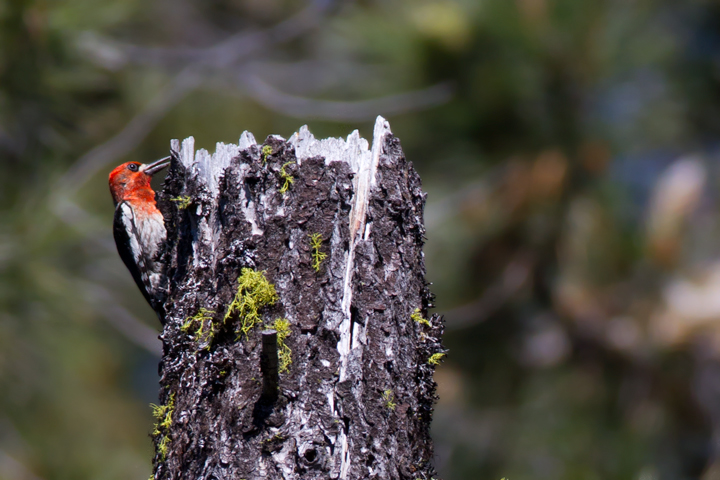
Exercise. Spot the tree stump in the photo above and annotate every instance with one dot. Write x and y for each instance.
(311, 249)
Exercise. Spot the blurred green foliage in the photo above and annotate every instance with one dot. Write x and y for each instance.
(572, 212)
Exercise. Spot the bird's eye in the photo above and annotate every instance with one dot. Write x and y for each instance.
(133, 167)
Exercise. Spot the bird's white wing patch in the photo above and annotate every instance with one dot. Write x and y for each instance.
(152, 233)
(145, 238)
(128, 219)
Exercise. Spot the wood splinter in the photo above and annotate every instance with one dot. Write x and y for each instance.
(269, 364)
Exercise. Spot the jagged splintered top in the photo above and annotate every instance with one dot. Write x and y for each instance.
(354, 151)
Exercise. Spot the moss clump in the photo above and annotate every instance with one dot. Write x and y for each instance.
(388, 397)
(163, 415)
(317, 256)
(282, 327)
(289, 180)
(183, 202)
(417, 316)
(253, 293)
(275, 438)
(201, 326)
(435, 358)
(266, 150)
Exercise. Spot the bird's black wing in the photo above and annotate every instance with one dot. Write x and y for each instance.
(127, 240)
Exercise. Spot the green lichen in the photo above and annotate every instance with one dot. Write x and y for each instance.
(289, 180)
(161, 429)
(272, 444)
(417, 316)
(275, 438)
(388, 397)
(163, 414)
(182, 202)
(282, 327)
(254, 292)
(266, 150)
(435, 358)
(317, 256)
(162, 446)
(201, 326)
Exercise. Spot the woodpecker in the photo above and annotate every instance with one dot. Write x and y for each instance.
(138, 227)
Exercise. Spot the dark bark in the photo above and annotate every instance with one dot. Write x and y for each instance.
(356, 401)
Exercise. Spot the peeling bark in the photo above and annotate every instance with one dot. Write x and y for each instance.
(356, 401)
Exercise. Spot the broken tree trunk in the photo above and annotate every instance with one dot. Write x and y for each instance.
(297, 343)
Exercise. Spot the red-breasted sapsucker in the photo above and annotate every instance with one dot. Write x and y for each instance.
(138, 227)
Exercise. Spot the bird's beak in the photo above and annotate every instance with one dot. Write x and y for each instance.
(153, 168)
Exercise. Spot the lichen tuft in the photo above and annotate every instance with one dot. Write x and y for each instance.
(183, 202)
(254, 292)
(435, 358)
(161, 429)
(266, 150)
(417, 316)
(317, 256)
(201, 326)
(388, 397)
(289, 180)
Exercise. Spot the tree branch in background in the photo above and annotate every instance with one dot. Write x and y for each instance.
(301, 107)
(12, 469)
(121, 319)
(115, 54)
(514, 278)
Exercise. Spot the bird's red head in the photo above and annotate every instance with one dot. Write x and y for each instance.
(131, 181)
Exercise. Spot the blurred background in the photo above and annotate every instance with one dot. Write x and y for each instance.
(570, 152)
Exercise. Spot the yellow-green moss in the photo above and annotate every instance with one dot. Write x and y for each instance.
(417, 316)
(435, 358)
(266, 150)
(317, 256)
(289, 180)
(282, 327)
(201, 326)
(388, 397)
(275, 438)
(163, 415)
(182, 202)
(253, 293)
